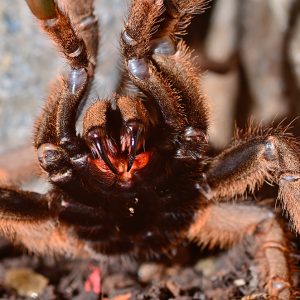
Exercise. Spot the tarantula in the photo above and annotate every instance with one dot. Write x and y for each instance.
(137, 181)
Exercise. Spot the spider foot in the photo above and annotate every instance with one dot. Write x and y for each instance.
(51, 156)
(56, 162)
(279, 288)
(279, 283)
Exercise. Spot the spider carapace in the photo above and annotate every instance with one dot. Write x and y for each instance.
(137, 180)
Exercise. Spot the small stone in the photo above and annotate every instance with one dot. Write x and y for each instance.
(26, 282)
(173, 287)
(148, 271)
(206, 266)
(131, 211)
(239, 282)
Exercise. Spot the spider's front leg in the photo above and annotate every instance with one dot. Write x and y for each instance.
(30, 218)
(59, 148)
(164, 71)
(257, 156)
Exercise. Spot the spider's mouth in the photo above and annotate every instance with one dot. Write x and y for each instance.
(122, 156)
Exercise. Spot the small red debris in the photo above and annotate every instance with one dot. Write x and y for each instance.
(93, 283)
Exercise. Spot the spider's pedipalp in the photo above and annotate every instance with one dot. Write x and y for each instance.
(156, 87)
(69, 90)
(57, 122)
(72, 93)
(146, 77)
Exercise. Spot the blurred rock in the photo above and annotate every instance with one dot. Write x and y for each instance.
(250, 71)
(223, 31)
(29, 61)
(26, 282)
(264, 25)
(222, 92)
(222, 89)
(294, 49)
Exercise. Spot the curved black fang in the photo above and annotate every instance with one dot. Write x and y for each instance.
(101, 152)
(134, 141)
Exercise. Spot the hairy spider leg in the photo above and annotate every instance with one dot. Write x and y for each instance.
(135, 44)
(182, 70)
(86, 24)
(257, 229)
(30, 218)
(160, 68)
(67, 91)
(176, 62)
(55, 136)
(254, 157)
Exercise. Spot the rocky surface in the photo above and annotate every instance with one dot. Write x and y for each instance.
(29, 61)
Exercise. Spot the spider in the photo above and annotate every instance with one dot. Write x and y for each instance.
(137, 180)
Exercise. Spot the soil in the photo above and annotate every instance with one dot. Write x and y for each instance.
(192, 274)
